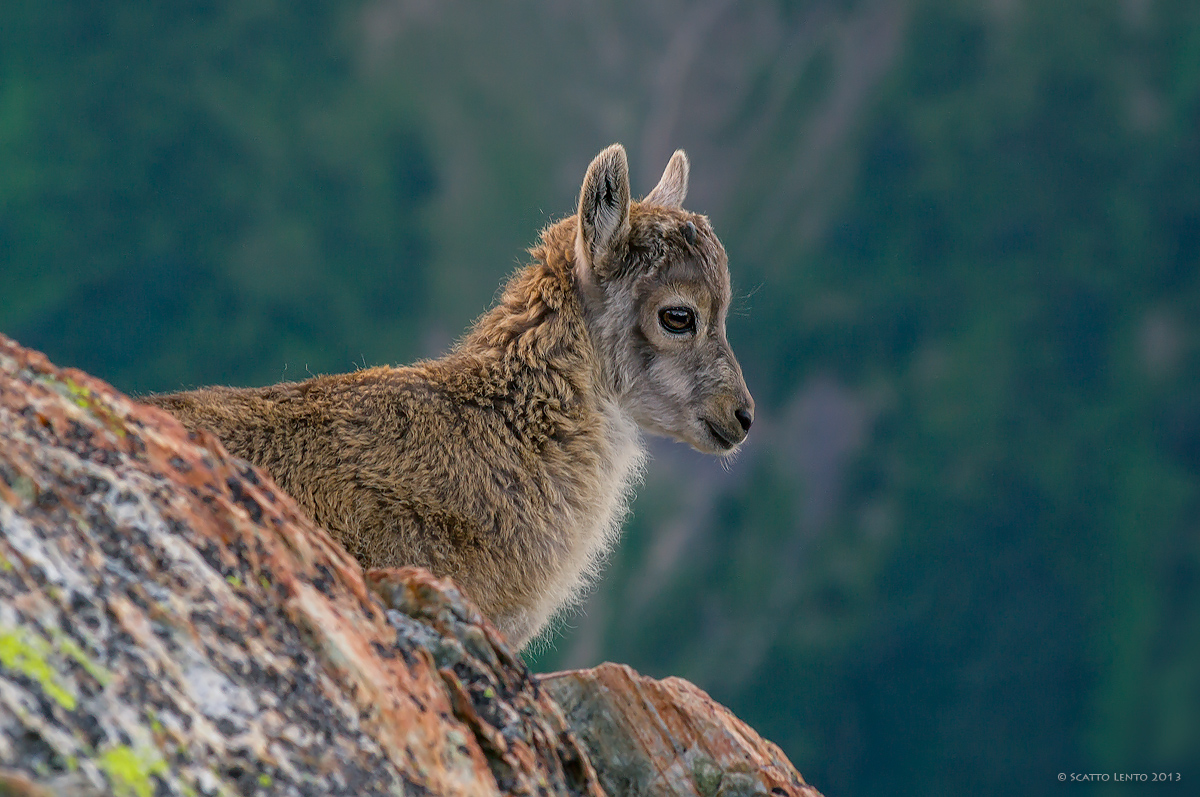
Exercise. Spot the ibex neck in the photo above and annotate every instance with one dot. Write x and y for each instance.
(539, 322)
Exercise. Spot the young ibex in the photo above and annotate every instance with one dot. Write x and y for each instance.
(507, 464)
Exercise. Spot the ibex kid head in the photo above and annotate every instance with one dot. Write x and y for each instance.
(655, 283)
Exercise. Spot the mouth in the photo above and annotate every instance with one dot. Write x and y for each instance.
(721, 439)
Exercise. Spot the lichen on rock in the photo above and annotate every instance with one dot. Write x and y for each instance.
(172, 624)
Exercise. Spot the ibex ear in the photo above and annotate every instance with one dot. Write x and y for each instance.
(672, 188)
(603, 213)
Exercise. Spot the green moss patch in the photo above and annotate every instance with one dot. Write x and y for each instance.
(129, 771)
(26, 653)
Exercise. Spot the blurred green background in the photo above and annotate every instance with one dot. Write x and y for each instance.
(961, 551)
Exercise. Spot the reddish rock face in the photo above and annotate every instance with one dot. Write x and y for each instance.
(171, 624)
(667, 738)
(529, 746)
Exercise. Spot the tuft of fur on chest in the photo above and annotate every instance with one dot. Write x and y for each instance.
(595, 523)
(621, 470)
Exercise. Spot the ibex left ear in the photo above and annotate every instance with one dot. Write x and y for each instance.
(672, 188)
(604, 214)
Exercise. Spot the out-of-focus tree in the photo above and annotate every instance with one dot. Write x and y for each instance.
(206, 192)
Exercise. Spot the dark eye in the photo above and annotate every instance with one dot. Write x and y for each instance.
(677, 320)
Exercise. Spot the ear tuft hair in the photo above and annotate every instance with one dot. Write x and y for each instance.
(604, 213)
(672, 188)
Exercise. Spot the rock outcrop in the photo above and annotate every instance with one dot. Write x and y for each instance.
(668, 737)
(171, 624)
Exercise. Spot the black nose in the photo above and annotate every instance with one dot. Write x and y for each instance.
(744, 418)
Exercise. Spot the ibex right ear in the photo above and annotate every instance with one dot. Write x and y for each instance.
(603, 215)
(672, 188)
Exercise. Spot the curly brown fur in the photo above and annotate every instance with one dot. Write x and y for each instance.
(508, 463)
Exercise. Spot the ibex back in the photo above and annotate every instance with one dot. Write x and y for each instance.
(508, 463)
